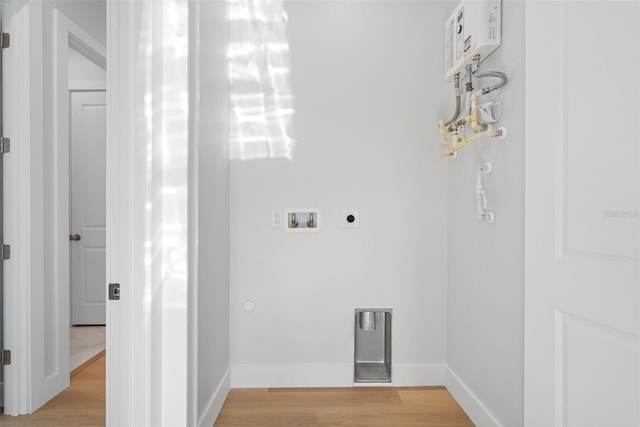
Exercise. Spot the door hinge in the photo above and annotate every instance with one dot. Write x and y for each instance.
(5, 357)
(5, 40)
(5, 145)
(5, 252)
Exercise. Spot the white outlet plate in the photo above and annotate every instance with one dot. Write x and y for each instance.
(276, 218)
(346, 216)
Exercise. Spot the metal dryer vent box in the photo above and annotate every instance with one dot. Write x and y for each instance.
(474, 27)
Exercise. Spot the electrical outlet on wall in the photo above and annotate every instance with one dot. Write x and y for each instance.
(276, 218)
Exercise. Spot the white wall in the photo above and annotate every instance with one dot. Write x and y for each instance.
(210, 187)
(80, 68)
(485, 267)
(89, 14)
(364, 76)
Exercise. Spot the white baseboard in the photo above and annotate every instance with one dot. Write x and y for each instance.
(475, 409)
(211, 412)
(327, 375)
(294, 375)
(417, 375)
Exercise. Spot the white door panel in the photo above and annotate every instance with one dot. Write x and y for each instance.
(582, 300)
(88, 207)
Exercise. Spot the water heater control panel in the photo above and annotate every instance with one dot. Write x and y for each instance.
(473, 27)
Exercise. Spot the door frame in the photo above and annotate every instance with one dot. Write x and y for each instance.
(67, 35)
(147, 185)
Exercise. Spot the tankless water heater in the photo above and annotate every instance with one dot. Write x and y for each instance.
(473, 27)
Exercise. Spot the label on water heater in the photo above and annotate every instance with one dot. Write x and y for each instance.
(460, 34)
(493, 24)
(467, 43)
(449, 50)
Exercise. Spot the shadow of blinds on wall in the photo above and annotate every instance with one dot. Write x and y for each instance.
(261, 104)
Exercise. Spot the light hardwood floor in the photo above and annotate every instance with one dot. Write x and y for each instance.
(372, 406)
(83, 404)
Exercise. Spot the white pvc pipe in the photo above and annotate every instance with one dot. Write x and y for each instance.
(481, 194)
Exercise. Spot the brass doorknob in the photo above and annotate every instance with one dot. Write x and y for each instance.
(74, 237)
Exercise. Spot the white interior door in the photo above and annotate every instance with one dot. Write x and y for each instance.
(1, 229)
(88, 207)
(582, 298)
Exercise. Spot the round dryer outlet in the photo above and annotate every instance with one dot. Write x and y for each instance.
(351, 218)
